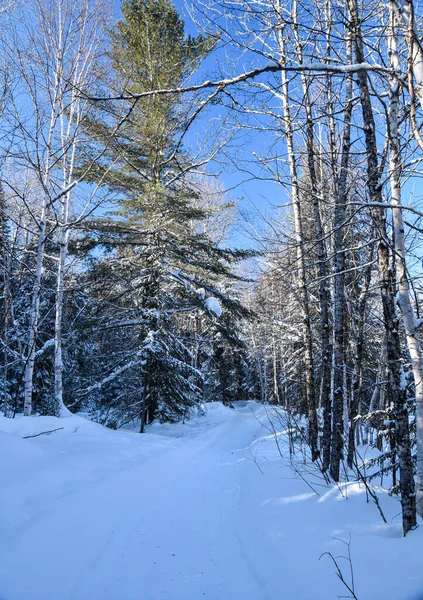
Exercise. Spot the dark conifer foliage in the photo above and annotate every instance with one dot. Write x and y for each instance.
(140, 271)
(160, 267)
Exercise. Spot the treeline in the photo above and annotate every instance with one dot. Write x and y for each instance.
(332, 97)
(120, 296)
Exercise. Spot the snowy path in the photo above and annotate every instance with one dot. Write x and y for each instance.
(115, 516)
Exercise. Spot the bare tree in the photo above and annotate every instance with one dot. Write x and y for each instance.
(56, 46)
(387, 284)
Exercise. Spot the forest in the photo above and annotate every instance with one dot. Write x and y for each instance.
(215, 204)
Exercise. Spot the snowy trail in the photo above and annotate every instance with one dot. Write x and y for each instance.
(185, 518)
(159, 529)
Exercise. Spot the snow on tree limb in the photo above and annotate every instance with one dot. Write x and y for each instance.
(212, 304)
(116, 373)
(273, 67)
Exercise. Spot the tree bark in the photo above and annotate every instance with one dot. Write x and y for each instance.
(341, 199)
(34, 314)
(398, 392)
(299, 237)
(357, 378)
(404, 301)
(324, 292)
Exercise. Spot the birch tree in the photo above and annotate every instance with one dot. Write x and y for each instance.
(81, 27)
(411, 324)
(56, 45)
(408, 499)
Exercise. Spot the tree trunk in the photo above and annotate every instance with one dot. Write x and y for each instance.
(398, 392)
(341, 198)
(357, 378)
(34, 314)
(324, 292)
(404, 302)
(58, 359)
(299, 237)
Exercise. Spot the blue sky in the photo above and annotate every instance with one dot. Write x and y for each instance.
(253, 197)
(251, 194)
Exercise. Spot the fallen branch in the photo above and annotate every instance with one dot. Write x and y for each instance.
(25, 437)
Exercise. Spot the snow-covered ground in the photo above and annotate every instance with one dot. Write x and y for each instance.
(208, 509)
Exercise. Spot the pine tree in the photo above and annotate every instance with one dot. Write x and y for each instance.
(161, 266)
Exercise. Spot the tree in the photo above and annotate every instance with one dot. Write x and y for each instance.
(163, 264)
(55, 45)
(260, 31)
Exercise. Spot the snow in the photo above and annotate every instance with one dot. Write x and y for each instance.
(206, 509)
(212, 305)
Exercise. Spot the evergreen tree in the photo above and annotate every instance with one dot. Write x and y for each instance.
(160, 264)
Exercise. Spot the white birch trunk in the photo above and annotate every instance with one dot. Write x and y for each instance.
(46, 154)
(404, 296)
(387, 284)
(299, 238)
(58, 359)
(406, 12)
(34, 314)
(81, 57)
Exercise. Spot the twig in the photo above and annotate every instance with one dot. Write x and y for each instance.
(350, 586)
(362, 477)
